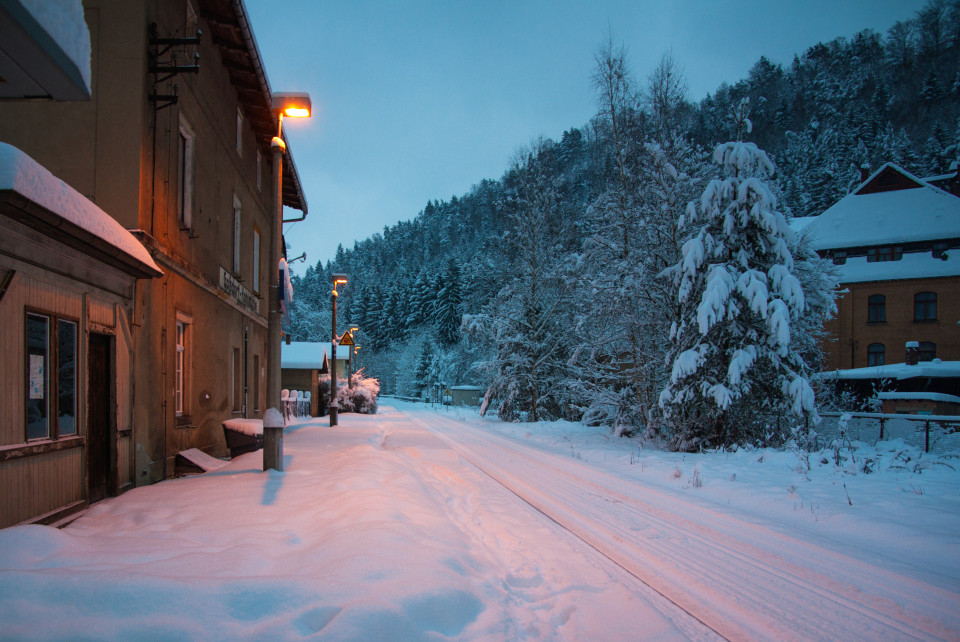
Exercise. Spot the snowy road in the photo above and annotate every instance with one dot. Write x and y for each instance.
(740, 580)
(412, 525)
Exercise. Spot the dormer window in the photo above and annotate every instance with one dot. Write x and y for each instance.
(884, 253)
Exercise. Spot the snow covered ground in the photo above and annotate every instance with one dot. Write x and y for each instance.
(392, 526)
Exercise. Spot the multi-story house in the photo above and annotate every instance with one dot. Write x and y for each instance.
(174, 145)
(896, 243)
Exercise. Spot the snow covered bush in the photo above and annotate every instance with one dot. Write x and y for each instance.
(737, 375)
(361, 397)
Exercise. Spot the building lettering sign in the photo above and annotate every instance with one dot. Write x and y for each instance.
(242, 295)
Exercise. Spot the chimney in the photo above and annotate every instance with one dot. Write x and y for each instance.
(287, 337)
(864, 173)
(913, 353)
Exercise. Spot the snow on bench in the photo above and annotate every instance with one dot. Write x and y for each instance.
(245, 426)
(243, 435)
(194, 460)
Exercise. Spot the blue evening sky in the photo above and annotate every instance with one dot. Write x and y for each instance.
(418, 100)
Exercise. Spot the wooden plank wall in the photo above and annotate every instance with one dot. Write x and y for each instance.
(34, 486)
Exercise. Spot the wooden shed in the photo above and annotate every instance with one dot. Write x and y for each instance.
(68, 274)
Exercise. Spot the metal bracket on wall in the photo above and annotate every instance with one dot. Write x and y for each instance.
(165, 63)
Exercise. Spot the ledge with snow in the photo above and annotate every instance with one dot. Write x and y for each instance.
(35, 198)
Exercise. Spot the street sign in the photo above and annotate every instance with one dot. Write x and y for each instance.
(346, 339)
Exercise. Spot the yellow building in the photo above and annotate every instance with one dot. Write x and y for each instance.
(896, 243)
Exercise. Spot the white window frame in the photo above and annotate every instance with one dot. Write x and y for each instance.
(182, 365)
(186, 152)
(239, 132)
(256, 259)
(237, 231)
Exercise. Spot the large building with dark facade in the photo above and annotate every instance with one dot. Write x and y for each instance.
(174, 145)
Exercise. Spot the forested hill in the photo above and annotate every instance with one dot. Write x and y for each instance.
(578, 230)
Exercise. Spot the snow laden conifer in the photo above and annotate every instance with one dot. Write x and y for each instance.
(735, 375)
(527, 320)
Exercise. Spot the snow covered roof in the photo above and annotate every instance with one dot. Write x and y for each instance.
(914, 211)
(913, 265)
(934, 369)
(799, 224)
(232, 33)
(920, 396)
(309, 355)
(303, 355)
(44, 50)
(33, 196)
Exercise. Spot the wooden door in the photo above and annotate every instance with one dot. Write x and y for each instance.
(101, 436)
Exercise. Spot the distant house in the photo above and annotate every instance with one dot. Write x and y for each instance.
(466, 395)
(174, 146)
(896, 243)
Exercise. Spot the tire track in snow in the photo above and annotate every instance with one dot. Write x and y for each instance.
(729, 574)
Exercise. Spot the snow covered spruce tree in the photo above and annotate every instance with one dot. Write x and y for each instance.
(526, 320)
(736, 376)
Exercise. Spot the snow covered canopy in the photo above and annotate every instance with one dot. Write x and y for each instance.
(899, 371)
(309, 355)
(912, 211)
(44, 50)
(303, 355)
(32, 196)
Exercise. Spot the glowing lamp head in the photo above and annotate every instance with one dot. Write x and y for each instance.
(339, 279)
(292, 104)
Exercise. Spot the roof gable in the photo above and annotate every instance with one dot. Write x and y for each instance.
(889, 178)
(883, 214)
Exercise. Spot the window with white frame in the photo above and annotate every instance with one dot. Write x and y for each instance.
(182, 366)
(239, 132)
(236, 236)
(186, 146)
(256, 260)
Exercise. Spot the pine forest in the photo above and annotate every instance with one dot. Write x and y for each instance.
(641, 272)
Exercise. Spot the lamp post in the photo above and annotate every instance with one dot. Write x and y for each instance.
(337, 280)
(296, 106)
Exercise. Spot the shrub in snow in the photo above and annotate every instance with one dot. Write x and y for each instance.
(736, 373)
(361, 398)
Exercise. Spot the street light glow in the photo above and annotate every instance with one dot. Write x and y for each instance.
(292, 103)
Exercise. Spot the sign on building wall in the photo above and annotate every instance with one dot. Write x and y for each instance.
(242, 295)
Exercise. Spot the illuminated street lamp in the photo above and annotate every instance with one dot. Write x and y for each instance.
(293, 105)
(334, 340)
